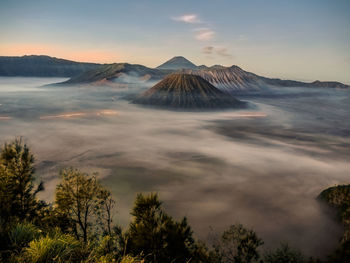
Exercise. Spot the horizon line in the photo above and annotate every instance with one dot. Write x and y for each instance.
(106, 63)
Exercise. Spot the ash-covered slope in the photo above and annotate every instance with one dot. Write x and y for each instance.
(177, 63)
(235, 79)
(42, 66)
(230, 79)
(118, 72)
(185, 91)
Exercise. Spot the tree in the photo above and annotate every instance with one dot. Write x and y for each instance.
(107, 205)
(284, 254)
(339, 198)
(82, 198)
(17, 188)
(238, 245)
(157, 236)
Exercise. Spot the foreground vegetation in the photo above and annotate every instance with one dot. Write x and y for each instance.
(78, 226)
(339, 198)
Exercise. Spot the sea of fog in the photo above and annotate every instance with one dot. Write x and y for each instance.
(262, 167)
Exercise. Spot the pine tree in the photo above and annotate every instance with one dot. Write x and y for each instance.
(17, 188)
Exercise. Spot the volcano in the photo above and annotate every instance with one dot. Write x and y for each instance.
(185, 91)
(177, 63)
(231, 80)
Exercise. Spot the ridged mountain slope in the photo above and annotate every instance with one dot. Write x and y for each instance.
(112, 72)
(233, 79)
(187, 92)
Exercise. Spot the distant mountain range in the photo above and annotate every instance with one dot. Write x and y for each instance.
(42, 66)
(227, 79)
(186, 91)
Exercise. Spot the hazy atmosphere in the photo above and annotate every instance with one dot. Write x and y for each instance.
(263, 166)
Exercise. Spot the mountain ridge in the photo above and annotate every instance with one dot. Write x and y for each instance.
(235, 79)
(228, 79)
(111, 72)
(42, 66)
(231, 79)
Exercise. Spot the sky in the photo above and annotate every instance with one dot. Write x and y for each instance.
(301, 40)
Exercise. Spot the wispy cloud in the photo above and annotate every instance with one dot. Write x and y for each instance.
(201, 34)
(208, 50)
(220, 51)
(223, 52)
(204, 34)
(189, 18)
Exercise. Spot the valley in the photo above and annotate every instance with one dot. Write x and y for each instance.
(263, 166)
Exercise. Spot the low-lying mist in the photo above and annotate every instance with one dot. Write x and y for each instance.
(263, 168)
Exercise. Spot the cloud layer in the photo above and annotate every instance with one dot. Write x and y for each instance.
(189, 18)
(214, 168)
(204, 34)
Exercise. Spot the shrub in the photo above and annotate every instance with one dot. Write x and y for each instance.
(130, 259)
(60, 248)
(22, 234)
(107, 247)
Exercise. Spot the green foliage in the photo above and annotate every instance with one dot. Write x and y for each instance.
(22, 234)
(130, 259)
(83, 200)
(339, 198)
(107, 205)
(106, 245)
(32, 231)
(106, 259)
(238, 245)
(51, 218)
(17, 191)
(158, 236)
(59, 248)
(284, 254)
(110, 246)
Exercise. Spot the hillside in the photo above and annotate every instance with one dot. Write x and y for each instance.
(118, 72)
(233, 79)
(187, 92)
(42, 66)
